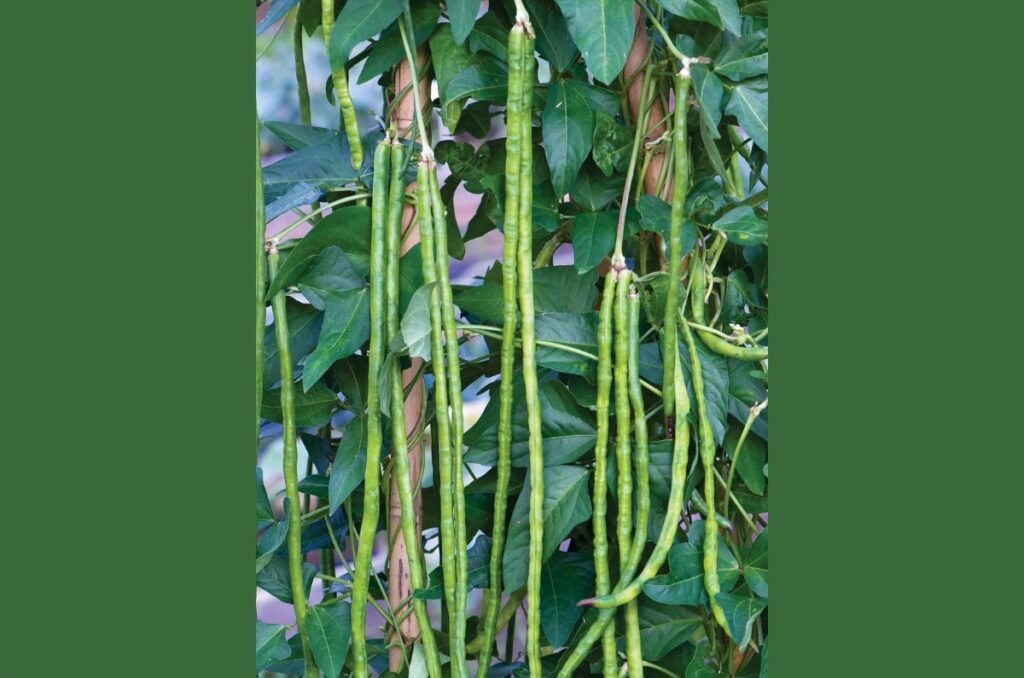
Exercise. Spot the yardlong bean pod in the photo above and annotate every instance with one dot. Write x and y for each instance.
(528, 334)
(706, 446)
(715, 343)
(340, 77)
(291, 471)
(489, 616)
(670, 339)
(305, 116)
(371, 479)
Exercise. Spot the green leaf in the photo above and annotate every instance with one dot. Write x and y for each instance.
(312, 407)
(593, 237)
(656, 216)
(478, 564)
(329, 629)
(485, 80)
(329, 272)
(753, 457)
(415, 325)
(594, 190)
(346, 327)
(410, 277)
(750, 106)
(334, 229)
(556, 289)
(304, 323)
(553, 40)
(740, 613)
(716, 385)
(475, 120)
(744, 58)
(743, 227)
(569, 430)
(360, 20)
(612, 144)
(327, 165)
(568, 127)
(566, 505)
(709, 90)
(702, 664)
(264, 512)
(565, 579)
(388, 51)
(755, 564)
(349, 467)
(300, 136)
(685, 583)
(462, 14)
(662, 628)
(578, 330)
(271, 541)
(351, 375)
(603, 30)
(490, 34)
(448, 59)
(271, 645)
(314, 484)
(764, 660)
(275, 580)
(724, 14)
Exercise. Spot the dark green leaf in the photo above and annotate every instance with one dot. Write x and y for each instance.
(568, 125)
(490, 35)
(553, 40)
(663, 628)
(264, 512)
(350, 375)
(274, 578)
(578, 330)
(337, 228)
(329, 629)
(315, 485)
(612, 144)
(300, 136)
(475, 120)
(360, 20)
(329, 272)
(594, 190)
(556, 289)
(709, 90)
(388, 51)
(326, 166)
(566, 504)
(312, 407)
(485, 80)
(740, 613)
(566, 578)
(752, 459)
(271, 645)
(462, 14)
(346, 327)
(593, 237)
(449, 59)
(415, 325)
(750, 106)
(743, 227)
(349, 465)
(603, 30)
(270, 541)
(304, 323)
(744, 58)
(755, 564)
(724, 14)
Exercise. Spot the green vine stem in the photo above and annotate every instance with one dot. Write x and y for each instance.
(305, 114)
(340, 77)
(261, 281)
(291, 471)
(755, 412)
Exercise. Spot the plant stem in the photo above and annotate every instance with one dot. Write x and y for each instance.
(755, 412)
(301, 81)
(261, 282)
(295, 224)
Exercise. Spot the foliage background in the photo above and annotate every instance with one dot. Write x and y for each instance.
(119, 537)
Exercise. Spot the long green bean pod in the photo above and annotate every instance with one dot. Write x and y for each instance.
(371, 480)
(442, 422)
(510, 309)
(634, 655)
(291, 471)
(348, 109)
(681, 178)
(716, 343)
(706, 446)
(444, 291)
(602, 577)
(400, 444)
(261, 280)
(529, 340)
(624, 495)
(305, 115)
(676, 499)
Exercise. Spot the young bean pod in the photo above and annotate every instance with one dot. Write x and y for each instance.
(444, 291)
(371, 479)
(529, 341)
(340, 77)
(291, 471)
(489, 615)
(602, 582)
(670, 338)
(716, 343)
(706, 446)
(305, 115)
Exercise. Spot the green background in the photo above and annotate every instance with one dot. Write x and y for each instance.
(127, 326)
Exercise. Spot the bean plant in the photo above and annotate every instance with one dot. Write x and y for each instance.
(605, 508)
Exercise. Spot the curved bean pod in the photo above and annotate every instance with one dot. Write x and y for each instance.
(348, 109)
(716, 343)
